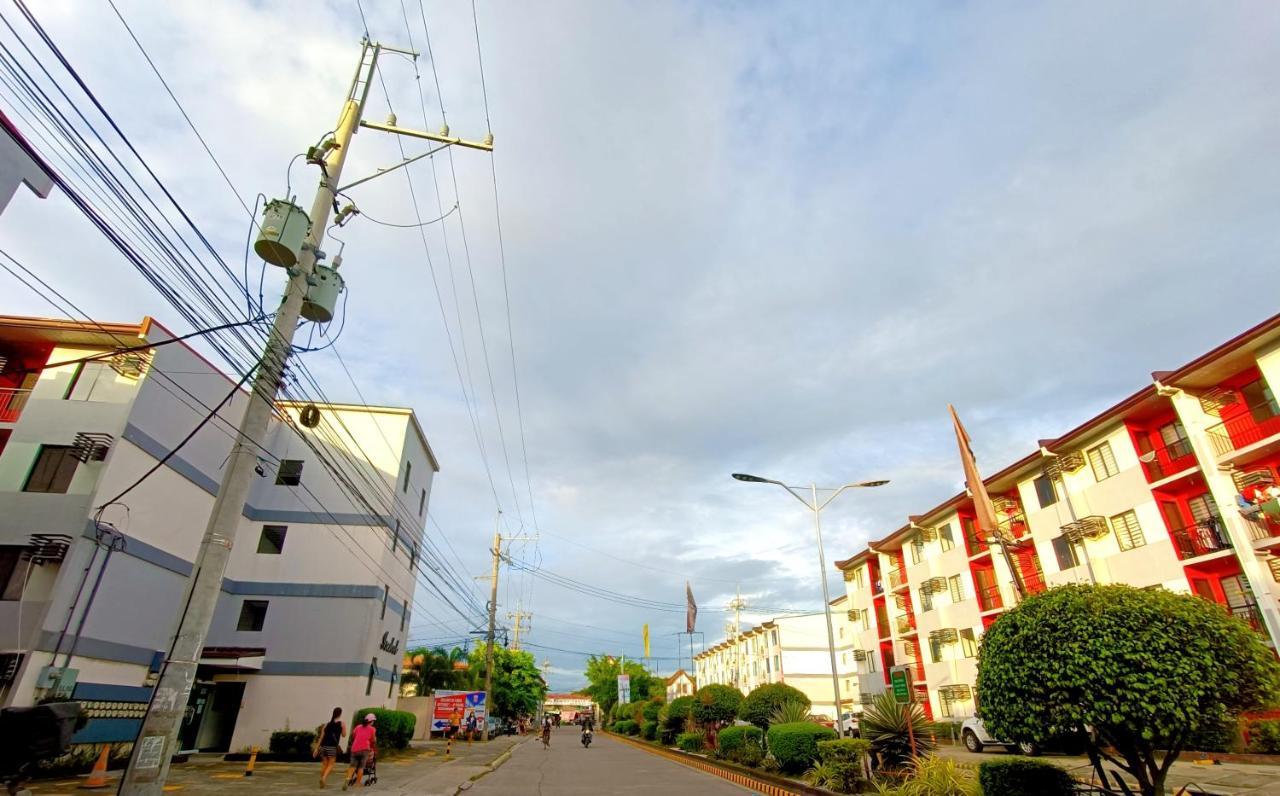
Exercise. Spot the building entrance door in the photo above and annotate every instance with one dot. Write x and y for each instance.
(211, 716)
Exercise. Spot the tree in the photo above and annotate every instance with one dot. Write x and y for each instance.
(602, 681)
(1144, 669)
(431, 669)
(763, 700)
(518, 687)
(716, 704)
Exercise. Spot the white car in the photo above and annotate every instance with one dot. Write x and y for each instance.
(975, 736)
(850, 720)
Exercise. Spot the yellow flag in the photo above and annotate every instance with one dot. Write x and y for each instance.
(646, 641)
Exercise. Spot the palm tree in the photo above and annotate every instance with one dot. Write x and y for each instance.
(431, 669)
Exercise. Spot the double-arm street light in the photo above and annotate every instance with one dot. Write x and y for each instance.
(812, 504)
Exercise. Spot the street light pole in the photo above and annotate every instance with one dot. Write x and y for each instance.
(816, 507)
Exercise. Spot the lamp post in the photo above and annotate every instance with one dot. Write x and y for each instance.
(812, 504)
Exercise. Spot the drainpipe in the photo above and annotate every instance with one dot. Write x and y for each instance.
(84, 578)
(114, 541)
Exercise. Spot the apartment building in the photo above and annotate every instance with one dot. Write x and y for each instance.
(789, 649)
(1168, 489)
(318, 592)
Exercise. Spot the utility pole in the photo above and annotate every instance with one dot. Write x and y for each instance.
(518, 618)
(737, 604)
(493, 620)
(156, 741)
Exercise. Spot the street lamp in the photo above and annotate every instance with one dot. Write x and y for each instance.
(813, 505)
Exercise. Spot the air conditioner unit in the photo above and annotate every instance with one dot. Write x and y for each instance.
(91, 447)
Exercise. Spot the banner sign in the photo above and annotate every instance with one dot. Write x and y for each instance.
(624, 688)
(462, 703)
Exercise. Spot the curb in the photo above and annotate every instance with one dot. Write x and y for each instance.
(492, 766)
(747, 778)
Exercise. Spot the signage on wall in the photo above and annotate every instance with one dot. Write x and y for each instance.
(391, 645)
(450, 704)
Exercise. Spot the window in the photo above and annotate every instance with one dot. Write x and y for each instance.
(1045, 492)
(957, 589)
(842, 633)
(968, 642)
(945, 537)
(871, 661)
(13, 573)
(844, 658)
(391, 684)
(404, 617)
(1174, 437)
(1103, 461)
(935, 650)
(866, 619)
(290, 472)
(777, 664)
(408, 468)
(53, 470)
(271, 543)
(413, 557)
(373, 672)
(386, 594)
(1202, 507)
(775, 637)
(857, 578)
(1066, 553)
(395, 537)
(946, 706)
(253, 614)
(1260, 400)
(926, 601)
(1128, 531)
(917, 551)
(422, 501)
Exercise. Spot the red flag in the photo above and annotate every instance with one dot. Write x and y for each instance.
(981, 500)
(691, 612)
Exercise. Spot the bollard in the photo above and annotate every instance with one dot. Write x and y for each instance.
(253, 758)
(98, 777)
(448, 745)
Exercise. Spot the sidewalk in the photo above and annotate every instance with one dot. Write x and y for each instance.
(422, 770)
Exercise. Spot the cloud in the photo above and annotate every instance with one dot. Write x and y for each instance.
(739, 237)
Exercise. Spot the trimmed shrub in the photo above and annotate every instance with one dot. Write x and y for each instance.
(1264, 737)
(675, 715)
(836, 777)
(760, 704)
(651, 710)
(291, 744)
(690, 741)
(395, 727)
(843, 750)
(626, 727)
(649, 731)
(1015, 776)
(795, 745)
(1215, 736)
(750, 755)
(716, 704)
(732, 740)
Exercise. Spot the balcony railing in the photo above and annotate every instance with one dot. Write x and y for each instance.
(1199, 539)
(1168, 459)
(11, 403)
(1258, 423)
(1249, 615)
(989, 598)
(905, 624)
(897, 579)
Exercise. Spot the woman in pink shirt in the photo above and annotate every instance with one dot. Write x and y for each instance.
(363, 744)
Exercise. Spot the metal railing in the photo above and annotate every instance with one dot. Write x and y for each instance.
(12, 400)
(1249, 615)
(1259, 422)
(989, 598)
(1200, 539)
(974, 543)
(1169, 459)
(897, 579)
(905, 624)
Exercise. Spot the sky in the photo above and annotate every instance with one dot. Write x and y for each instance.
(775, 238)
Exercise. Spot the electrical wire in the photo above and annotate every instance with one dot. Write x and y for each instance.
(409, 226)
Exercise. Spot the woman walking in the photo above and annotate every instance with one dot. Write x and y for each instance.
(546, 733)
(330, 739)
(364, 740)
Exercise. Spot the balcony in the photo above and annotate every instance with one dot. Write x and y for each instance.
(1249, 615)
(1200, 539)
(1168, 460)
(989, 598)
(905, 624)
(11, 402)
(1259, 423)
(897, 579)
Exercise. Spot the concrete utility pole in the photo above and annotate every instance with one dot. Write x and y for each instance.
(493, 620)
(736, 605)
(518, 618)
(156, 743)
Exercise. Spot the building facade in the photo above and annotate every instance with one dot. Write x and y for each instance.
(787, 649)
(94, 562)
(680, 684)
(1173, 487)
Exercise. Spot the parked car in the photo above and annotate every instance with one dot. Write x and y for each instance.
(976, 738)
(851, 725)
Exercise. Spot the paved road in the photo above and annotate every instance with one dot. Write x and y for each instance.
(609, 766)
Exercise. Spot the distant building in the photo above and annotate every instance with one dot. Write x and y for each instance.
(20, 165)
(316, 602)
(1173, 487)
(680, 684)
(568, 706)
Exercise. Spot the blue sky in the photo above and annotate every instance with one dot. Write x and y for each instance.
(740, 236)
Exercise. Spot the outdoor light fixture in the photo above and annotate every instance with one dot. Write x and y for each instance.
(755, 479)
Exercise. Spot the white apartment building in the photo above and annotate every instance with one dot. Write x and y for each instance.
(787, 649)
(317, 598)
(1168, 489)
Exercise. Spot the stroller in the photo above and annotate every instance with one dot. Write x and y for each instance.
(370, 772)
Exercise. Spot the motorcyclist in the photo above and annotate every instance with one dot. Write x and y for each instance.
(588, 726)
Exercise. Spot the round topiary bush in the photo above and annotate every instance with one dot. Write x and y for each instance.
(731, 740)
(716, 704)
(395, 727)
(759, 706)
(1014, 776)
(690, 741)
(795, 745)
(649, 730)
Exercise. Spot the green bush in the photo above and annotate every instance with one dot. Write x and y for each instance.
(795, 745)
(649, 731)
(750, 755)
(677, 713)
(1215, 736)
(716, 704)
(651, 709)
(843, 750)
(763, 700)
(836, 777)
(395, 727)
(1264, 737)
(1016, 776)
(690, 741)
(291, 744)
(733, 739)
(626, 727)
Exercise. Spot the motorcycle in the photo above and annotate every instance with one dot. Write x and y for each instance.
(586, 738)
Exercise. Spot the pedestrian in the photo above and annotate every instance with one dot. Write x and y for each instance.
(546, 733)
(471, 726)
(455, 723)
(364, 743)
(330, 739)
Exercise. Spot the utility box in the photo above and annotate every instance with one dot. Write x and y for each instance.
(284, 227)
(323, 289)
